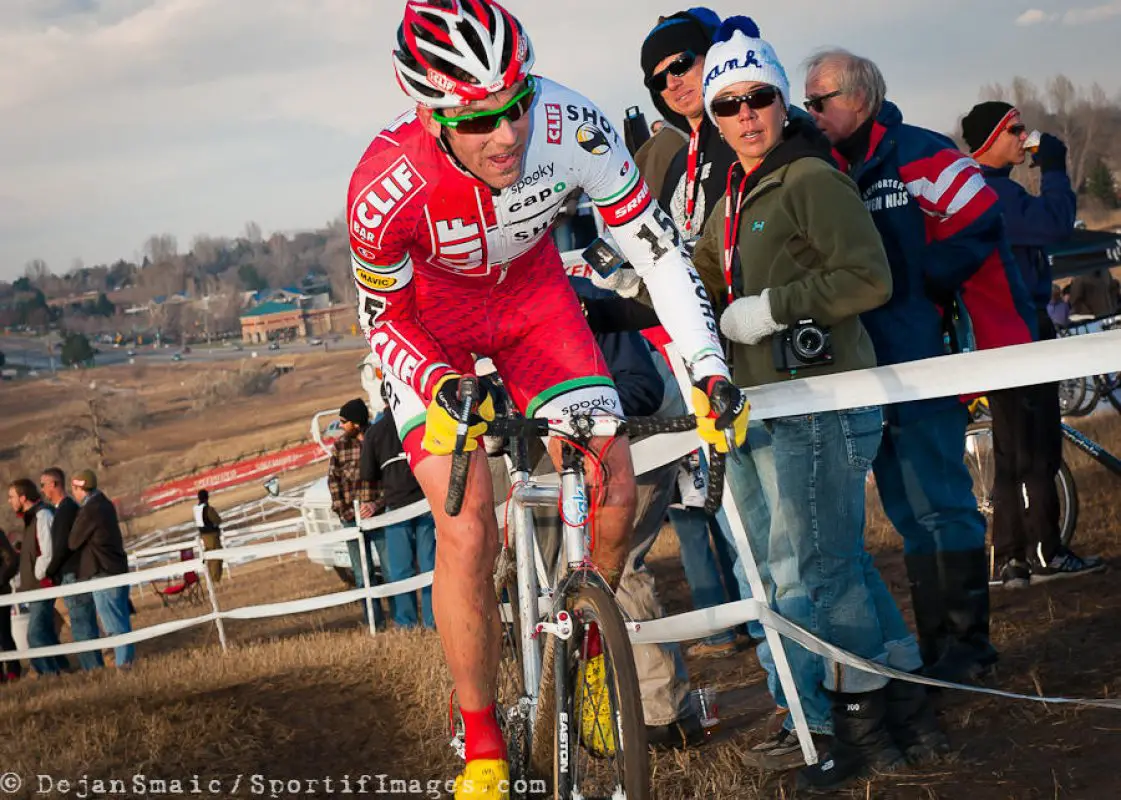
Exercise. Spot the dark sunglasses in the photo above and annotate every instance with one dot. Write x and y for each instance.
(481, 122)
(1017, 130)
(817, 104)
(678, 67)
(759, 99)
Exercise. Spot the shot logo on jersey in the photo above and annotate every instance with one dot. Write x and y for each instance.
(593, 139)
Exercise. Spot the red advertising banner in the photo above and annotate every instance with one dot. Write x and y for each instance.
(166, 494)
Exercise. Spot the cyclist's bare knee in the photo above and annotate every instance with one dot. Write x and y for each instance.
(468, 541)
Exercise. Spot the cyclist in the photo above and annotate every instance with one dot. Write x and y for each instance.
(449, 212)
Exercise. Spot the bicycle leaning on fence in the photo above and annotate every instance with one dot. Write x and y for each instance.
(568, 693)
(982, 467)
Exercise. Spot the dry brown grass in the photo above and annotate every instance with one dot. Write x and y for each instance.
(315, 695)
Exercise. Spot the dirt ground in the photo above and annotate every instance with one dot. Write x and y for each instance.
(315, 696)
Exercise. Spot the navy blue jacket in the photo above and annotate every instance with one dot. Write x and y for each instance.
(1035, 223)
(942, 229)
(640, 386)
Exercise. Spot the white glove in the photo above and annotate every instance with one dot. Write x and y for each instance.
(623, 281)
(749, 321)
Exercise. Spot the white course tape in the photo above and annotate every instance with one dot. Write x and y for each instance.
(699, 624)
(82, 587)
(329, 600)
(946, 376)
(109, 642)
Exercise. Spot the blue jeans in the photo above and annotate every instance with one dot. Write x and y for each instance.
(753, 484)
(924, 485)
(402, 548)
(41, 633)
(692, 526)
(83, 623)
(112, 610)
(367, 540)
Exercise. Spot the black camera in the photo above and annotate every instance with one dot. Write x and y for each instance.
(805, 344)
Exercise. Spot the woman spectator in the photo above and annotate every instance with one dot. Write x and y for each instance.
(803, 261)
(1059, 307)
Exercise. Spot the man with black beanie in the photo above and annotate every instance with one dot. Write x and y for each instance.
(344, 481)
(1027, 440)
(685, 163)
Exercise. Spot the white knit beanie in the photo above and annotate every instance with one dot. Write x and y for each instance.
(738, 53)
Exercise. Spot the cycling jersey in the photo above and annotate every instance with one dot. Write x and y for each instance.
(421, 226)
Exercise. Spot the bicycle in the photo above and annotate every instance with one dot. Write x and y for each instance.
(539, 700)
(1080, 396)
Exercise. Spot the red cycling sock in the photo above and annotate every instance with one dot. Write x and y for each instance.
(592, 644)
(481, 734)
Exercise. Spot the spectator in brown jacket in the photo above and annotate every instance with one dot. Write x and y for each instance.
(9, 566)
(96, 536)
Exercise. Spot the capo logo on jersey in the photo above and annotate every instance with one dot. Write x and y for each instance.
(593, 139)
(381, 199)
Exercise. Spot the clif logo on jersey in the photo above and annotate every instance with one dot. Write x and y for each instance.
(554, 123)
(593, 139)
(380, 200)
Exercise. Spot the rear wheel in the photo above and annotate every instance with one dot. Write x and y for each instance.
(601, 749)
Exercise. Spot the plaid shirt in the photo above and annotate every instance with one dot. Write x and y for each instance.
(343, 479)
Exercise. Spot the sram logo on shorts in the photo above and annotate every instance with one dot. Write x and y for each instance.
(382, 198)
(554, 123)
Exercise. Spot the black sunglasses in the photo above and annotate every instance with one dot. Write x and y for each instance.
(678, 67)
(730, 105)
(817, 104)
(1016, 130)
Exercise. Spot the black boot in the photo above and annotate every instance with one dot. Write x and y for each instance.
(968, 655)
(911, 722)
(861, 742)
(930, 608)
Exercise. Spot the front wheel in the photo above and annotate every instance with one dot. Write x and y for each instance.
(601, 749)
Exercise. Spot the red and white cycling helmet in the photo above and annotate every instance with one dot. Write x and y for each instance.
(451, 52)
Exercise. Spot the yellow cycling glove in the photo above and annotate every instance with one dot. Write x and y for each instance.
(719, 405)
(442, 418)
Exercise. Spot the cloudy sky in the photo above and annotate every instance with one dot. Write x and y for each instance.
(123, 118)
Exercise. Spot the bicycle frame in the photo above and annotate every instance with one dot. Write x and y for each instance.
(528, 494)
(1092, 449)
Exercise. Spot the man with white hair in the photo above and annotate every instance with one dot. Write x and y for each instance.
(951, 266)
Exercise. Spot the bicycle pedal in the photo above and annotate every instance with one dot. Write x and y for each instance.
(562, 628)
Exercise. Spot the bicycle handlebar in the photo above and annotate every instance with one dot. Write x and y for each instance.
(587, 427)
(461, 461)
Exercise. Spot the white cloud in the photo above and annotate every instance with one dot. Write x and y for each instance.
(1087, 16)
(1035, 16)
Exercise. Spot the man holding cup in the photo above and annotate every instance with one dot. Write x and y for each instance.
(1027, 440)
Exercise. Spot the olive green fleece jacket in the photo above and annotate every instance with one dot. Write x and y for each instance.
(805, 235)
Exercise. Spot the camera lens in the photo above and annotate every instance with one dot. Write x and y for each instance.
(809, 342)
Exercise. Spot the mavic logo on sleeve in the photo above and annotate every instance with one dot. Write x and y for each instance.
(382, 198)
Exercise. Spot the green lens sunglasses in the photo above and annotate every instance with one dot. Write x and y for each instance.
(487, 121)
